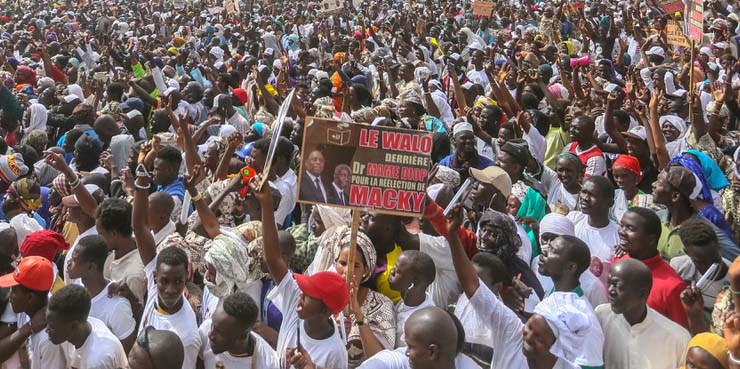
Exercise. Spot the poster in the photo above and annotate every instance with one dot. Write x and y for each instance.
(231, 6)
(670, 6)
(696, 20)
(382, 169)
(327, 7)
(483, 8)
(676, 36)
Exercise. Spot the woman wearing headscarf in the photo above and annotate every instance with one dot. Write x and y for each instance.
(307, 235)
(497, 234)
(674, 130)
(705, 203)
(227, 271)
(552, 226)
(709, 349)
(731, 198)
(25, 79)
(627, 174)
(377, 331)
(562, 195)
(19, 205)
(35, 118)
(336, 224)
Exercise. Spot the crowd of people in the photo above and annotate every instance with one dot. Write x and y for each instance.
(601, 228)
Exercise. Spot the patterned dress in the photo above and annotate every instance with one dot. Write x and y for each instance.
(381, 318)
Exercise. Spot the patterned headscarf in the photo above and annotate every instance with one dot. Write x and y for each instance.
(507, 237)
(367, 248)
(230, 258)
(27, 193)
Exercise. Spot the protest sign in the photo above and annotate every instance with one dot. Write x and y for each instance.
(676, 36)
(696, 20)
(327, 7)
(382, 169)
(483, 8)
(670, 6)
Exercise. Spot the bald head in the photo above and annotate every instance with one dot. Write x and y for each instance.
(166, 349)
(635, 274)
(435, 331)
(160, 208)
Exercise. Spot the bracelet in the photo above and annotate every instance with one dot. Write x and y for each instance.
(197, 197)
(74, 183)
(736, 293)
(139, 187)
(732, 357)
(359, 322)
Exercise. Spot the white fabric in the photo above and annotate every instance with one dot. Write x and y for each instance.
(396, 359)
(115, 312)
(101, 350)
(266, 357)
(446, 287)
(183, 322)
(654, 343)
(600, 241)
(129, 269)
(162, 234)
(209, 304)
(37, 118)
(593, 290)
(42, 352)
(329, 352)
(579, 338)
(67, 257)
(403, 312)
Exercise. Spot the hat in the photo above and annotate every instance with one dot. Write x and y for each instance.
(706, 51)
(518, 149)
(70, 98)
(719, 24)
(329, 287)
(637, 132)
(656, 50)
(44, 243)
(495, 176)
(462, 127)
(12, 167)
(132, 103)
(72, 202)
(33, 272)
(684, 181)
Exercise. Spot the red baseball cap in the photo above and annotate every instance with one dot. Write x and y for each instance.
(33, 272)
(329, 287)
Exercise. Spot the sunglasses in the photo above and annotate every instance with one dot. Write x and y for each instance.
(143, 341)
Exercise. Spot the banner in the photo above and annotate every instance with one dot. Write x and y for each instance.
(696, 20)
(670, 6)
(382, 169)
(676, 36)
(327, 7)
(483, 8)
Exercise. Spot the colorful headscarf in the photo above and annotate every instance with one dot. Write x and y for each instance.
(713, 344)
(714, 175)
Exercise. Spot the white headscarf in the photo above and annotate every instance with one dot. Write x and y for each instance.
(557, 224)
(75, 89)
(38, 116)
(567, 316)
(472, 38)
(230, 258)
(333, 217)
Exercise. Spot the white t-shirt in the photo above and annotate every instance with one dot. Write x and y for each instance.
(115, 312)
(43, 353)
(600, 241)
(208, 304)
(101, 350)
(396, 359)
(446, 287)
(183, 322)
(329, 352)
(265, 355)
(593, 290)
(403, 312)
(89, 232)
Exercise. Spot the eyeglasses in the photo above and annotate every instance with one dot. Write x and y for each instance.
(143, 342)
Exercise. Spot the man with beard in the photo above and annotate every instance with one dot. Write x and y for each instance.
(466, 153)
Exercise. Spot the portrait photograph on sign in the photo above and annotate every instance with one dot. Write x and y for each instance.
(379, 168)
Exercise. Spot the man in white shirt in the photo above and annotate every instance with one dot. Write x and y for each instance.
(167, 273)
(83, 217)
(123, 265)
(30, 284)
(114, 311)
(93, 346)
(412, 275)
(637, 336)
(340, 185)
(593, 226)
(307, 303)
(227, 339)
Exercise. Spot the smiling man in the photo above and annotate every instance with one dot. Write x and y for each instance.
(466, 152)
(314, 188)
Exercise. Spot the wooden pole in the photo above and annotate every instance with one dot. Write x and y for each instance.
(353, 245)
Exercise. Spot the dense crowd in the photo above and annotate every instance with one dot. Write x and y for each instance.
(583, 209)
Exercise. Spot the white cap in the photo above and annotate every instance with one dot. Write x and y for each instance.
(656, 50)
(462, 127)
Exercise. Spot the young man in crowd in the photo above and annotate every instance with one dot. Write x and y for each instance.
(227, 338)
(411, 277)
(114, 311)
(68, 323)
(638, 237)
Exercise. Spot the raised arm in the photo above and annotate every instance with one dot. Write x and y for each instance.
(272, 256)
(466, 273)
(139, 219)
(207, 219)
(87, 202)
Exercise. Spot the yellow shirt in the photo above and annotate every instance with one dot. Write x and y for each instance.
(669, 244)
(382, 280)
